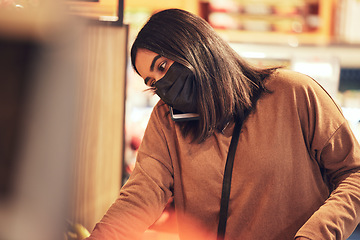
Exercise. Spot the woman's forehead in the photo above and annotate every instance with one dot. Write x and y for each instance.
(144, 59)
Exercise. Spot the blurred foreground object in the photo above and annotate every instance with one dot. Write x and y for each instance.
(38, 73)
(76, 231)
(99, 148)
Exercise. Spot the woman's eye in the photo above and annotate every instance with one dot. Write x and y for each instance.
(162, 66)
(152, 83)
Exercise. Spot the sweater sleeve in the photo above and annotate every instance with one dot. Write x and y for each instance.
(339, 215)
(333, 145)
(144, 196)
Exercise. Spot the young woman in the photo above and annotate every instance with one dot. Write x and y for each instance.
(296, 165)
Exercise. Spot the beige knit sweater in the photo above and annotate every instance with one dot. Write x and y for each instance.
(292, 149)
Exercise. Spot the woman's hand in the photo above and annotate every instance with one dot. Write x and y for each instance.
(302, 238)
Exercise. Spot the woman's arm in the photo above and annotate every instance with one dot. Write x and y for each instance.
(340, 214)
(143, 198)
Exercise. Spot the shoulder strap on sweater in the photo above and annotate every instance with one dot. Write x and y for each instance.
(225, 194)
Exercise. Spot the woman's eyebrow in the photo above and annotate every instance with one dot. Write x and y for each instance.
(153, 62)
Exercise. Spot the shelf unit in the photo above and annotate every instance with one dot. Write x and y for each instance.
(272, 21)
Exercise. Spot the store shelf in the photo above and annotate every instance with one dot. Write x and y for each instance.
(270, 21)
(292, 39)
(153, 6)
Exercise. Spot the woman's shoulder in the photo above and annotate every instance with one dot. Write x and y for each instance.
(295, 85)
(292, 81)
(161, 115)
(289, 78)
(161, 109)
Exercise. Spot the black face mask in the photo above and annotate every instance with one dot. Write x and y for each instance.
(177, 88)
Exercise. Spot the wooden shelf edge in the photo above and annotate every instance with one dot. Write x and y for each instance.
(274, 37)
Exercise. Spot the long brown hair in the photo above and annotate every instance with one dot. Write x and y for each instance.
(227, 86)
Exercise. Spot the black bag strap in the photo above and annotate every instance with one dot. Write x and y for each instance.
(225, 194)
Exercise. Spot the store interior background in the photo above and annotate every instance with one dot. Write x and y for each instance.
(94, 121)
